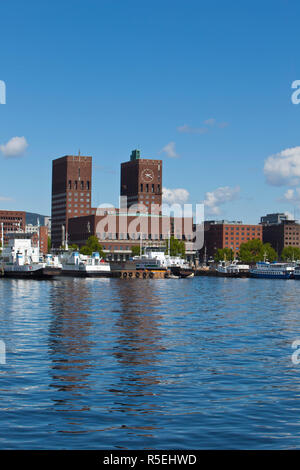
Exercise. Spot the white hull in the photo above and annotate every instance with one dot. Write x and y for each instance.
(88, 271)
(38, 270)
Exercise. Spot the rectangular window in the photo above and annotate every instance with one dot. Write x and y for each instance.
(141, 187)
(70, 184)
(75, 184)
(87, 185)
(81, 184)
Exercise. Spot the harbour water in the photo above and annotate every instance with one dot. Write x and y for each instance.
(201, 363)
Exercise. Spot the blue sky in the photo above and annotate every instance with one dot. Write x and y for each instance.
(208, 81)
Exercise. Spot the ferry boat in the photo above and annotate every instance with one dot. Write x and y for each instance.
(21, 260)
(297, 272)
(275, 270)
(156, 259)
(76, 264)
(234, 269)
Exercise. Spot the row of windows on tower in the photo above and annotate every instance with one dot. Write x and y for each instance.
(78, 185)
(147, 187)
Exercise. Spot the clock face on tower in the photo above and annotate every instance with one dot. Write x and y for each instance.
(147, 175)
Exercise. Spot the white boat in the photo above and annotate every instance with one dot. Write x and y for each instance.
(76, 264)
(234, 269)
(297, 272)
(275, 270)
(156, 259)
(21, 260)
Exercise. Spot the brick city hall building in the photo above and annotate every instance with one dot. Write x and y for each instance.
(141, 181)
(117, 229)
(71, 193)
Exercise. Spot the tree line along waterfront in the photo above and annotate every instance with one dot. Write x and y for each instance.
(254, 251)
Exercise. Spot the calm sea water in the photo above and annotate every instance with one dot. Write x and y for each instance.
(107, 363)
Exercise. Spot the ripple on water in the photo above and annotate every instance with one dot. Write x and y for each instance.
(106, 363)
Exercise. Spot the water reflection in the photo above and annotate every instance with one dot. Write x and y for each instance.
(113, 363)
(138, 348)
(69, 342)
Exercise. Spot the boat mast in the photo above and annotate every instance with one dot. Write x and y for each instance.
(205, 255)
(66, 242)
(2, 236)
(38, 227)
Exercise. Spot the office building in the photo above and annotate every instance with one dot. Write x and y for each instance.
(271, 219)
(281, 235)
(13, 221)
(227, 234)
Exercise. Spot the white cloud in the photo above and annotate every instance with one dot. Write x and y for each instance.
(210, 122)
(15, 147)
(192, 130)
(222, 125)
(175, 196)
(290, 215)
(283, 168)
(214, 199)
(292, 194)
(170, 150)
(2, 198)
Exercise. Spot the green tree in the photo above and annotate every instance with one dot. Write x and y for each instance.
(254, 251)
(49, 244)
(73, 247)
(224, 254)
(135, 250)
(176, 247)
(92, 245)
(290, 253)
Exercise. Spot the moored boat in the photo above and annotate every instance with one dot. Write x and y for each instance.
(21, 260)
(234, 269)
(297, 273)
(275, 270)
(76, 264)
(156, 259)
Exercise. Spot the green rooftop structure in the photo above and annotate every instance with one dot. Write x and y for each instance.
(135, 155)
